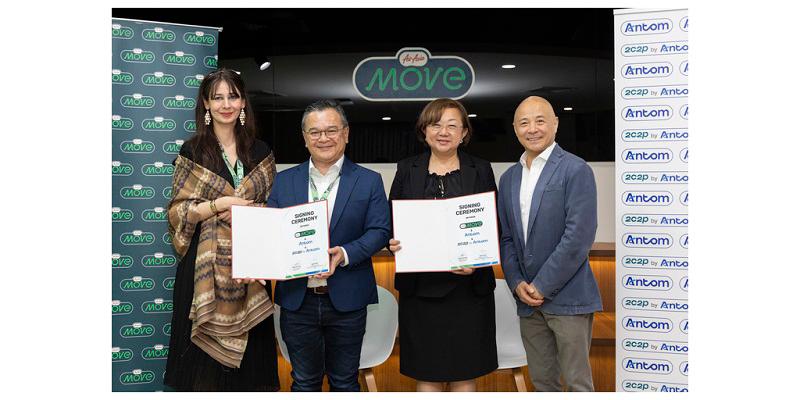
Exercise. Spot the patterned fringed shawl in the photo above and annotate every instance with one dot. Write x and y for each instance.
(222, 311)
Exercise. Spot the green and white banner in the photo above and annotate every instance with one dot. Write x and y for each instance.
(156, 71)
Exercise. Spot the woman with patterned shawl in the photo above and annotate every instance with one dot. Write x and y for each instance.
(222, 329)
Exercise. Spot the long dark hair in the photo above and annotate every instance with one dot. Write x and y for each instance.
(204, 144)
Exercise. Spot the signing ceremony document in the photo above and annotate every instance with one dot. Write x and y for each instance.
(446, 234)
(280, 243)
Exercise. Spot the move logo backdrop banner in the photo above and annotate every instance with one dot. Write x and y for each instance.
(156, 72)
(652, 220)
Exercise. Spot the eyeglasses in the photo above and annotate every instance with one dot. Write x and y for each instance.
(452, 128)
(331, 133)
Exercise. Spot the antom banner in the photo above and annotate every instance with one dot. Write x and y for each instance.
(156, 72)
(652, 167)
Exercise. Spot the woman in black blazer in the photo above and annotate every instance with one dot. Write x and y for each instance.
(447, 326)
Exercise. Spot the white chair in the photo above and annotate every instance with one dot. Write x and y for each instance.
(510, 351)
(378, 339)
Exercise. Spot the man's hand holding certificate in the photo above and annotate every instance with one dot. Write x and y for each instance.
(280, 243)
(448, 234)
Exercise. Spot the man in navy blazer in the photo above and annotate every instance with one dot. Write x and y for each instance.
(548, 214)
(323, 317)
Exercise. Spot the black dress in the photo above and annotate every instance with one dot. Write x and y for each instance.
(450, 337)
(191, 369)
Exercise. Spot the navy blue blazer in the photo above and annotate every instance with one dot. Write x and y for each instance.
(561, 230)
(359, 223)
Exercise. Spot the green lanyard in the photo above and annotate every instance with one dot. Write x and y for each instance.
(315, 195)
(238, 173)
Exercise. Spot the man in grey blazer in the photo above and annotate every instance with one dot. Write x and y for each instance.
(548, 214)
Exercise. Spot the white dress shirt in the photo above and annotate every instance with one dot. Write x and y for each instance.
(321, 182)
(529, 178)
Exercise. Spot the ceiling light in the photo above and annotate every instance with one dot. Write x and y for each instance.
(387, 118)
(472, 115)
(265, 65)
(509, 66)
(567, 108)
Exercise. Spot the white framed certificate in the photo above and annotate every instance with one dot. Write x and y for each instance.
(446, 234)
(279, 243)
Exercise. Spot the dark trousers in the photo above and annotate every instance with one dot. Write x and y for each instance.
(323, 341)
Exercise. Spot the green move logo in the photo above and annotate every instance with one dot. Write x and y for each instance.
(157, 214)
(211, 62)
(167, 329)
(192, 81)
(138, 146)
(136, 284)
(173, 147)
(136, 377)
(118, 355)
(137, 329)
(157, 352)
(157, 306)
(121, 168)
(413, 74)
(158, 34)
(167, 192)
(167, 238)
(159, 124)
(137, 238)
(119, 261)
(158, 79)
(121, 32)
(121, 308)
(158, 260)
(121, 78)
(179, 58)
(179, 103)
(119, 123)
(199, 38)
(137, 192)
(190, 125)
(137, 100)
(121, 214)
(168, 283)
(137, 56)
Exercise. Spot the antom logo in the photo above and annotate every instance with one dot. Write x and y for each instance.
(121, 32)
(639, 198)
(157, 306)
(121, 169)
(684, 368)
(156, 214)
(684, 241)
(647, 113)
(179, 103)
(647, 366)
(158, 260)
(137, 192)
(655, 135)
(684, 68)
(684, 284)
(192, 81)
(199, 38)
(168, 283)
(179, 58)
(158, 124)
(157, 352)
(646, 27)
(684, 325)
(173, 147)
(684, 112)
(158, 78)
(684, 155)
(119, 261)
(136, 284)
(684, 197)
(647, 282)
(122, 124)
(684, 24)
(121, 78)
(158, 168)
(137, 100)
(138, 56)
(662, 262)
(158, 34)
(121, 214)
(137, 238)
(647, 70)
(647, 156)
(647, 240)
(211, 62)
(121, 308)
(647, 324)
(137, 146)
(137, 377)
(190, 126)
(137, 329)
(121, 355)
